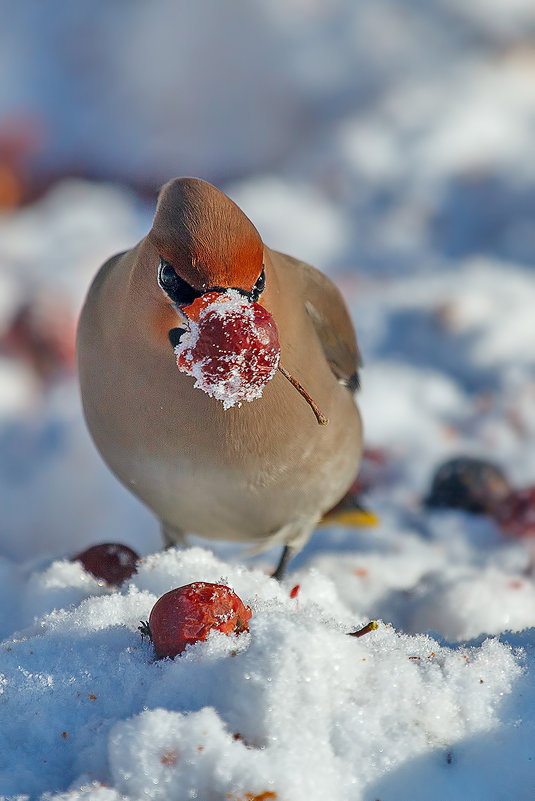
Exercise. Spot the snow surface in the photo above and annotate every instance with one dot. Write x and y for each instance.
(390, 144)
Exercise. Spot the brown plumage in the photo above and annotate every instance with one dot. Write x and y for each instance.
(263, 472)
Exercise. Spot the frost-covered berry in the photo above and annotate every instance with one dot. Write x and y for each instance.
(231, 347)
(188, 614)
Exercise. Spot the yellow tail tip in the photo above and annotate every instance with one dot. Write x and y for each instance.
(355, 518)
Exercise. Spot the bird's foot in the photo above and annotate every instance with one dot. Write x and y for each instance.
(287, 553)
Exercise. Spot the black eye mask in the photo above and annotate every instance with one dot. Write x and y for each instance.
(175, 287)
(183, 294)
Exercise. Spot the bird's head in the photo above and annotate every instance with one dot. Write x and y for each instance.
(211, 272)
(205, 242)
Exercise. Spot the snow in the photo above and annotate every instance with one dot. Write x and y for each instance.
(389, 144)
(90, 703)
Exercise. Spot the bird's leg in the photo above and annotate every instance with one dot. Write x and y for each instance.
(172, 536)
(287, 553)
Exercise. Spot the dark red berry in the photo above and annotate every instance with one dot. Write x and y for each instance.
(232, 347)
(471, 484)
(109, 561)
(516, 513)
(188, 614)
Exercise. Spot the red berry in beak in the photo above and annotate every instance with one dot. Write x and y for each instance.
(231, 348)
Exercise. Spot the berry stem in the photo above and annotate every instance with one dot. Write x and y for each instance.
(320, 417)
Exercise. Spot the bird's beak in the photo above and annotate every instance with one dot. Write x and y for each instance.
(188, 313)
(179, 330)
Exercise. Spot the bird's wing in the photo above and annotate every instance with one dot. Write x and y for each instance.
(332, 322)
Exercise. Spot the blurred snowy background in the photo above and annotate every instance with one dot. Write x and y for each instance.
(390, 143)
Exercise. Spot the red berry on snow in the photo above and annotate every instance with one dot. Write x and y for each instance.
(188, 614)
(231, 347)
(516, 513)
(109, 561)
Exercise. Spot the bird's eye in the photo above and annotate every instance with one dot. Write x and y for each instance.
(259, 286)
(178, 290)
(166, 275)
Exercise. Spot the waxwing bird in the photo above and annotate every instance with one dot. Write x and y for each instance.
(185, 346)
